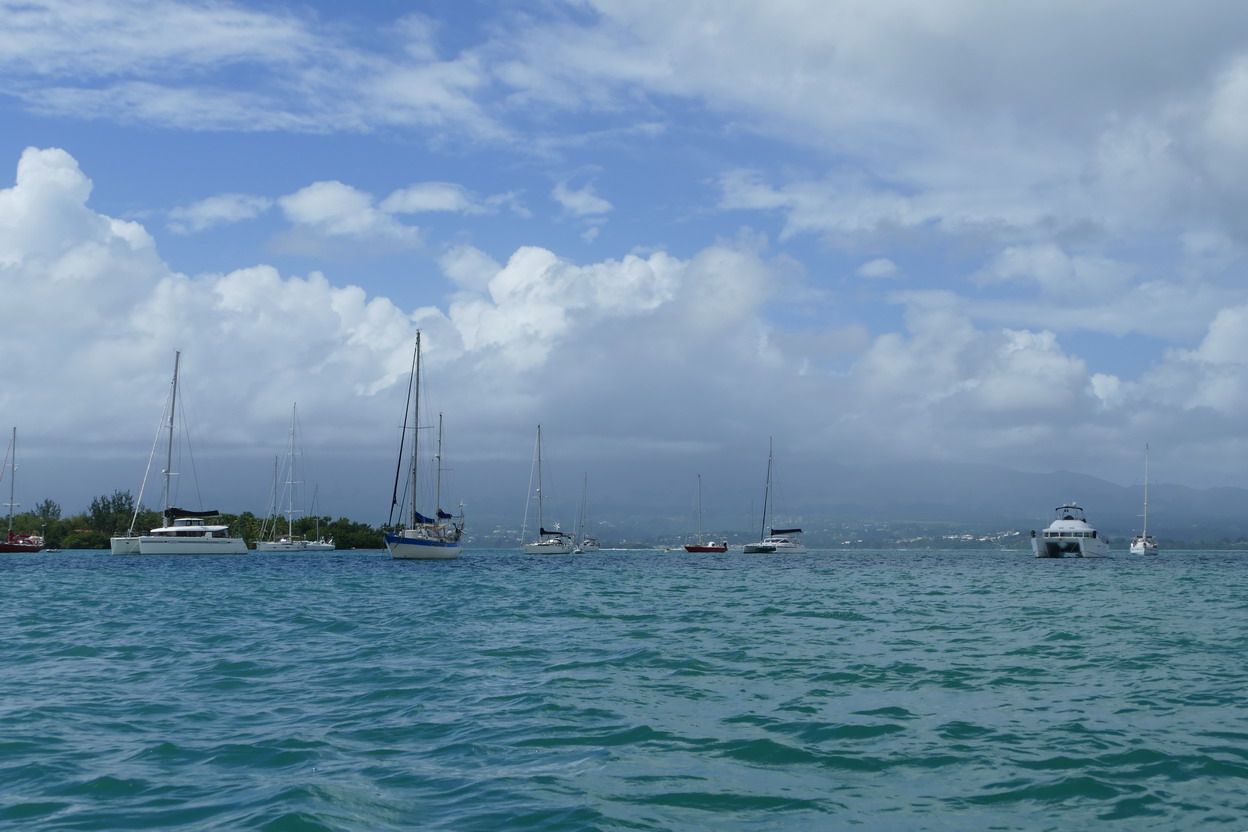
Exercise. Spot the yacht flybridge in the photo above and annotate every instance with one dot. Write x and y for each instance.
(1069, 536)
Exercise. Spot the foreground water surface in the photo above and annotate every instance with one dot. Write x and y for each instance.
(624, 690)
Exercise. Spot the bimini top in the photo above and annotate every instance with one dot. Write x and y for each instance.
(1070, 511)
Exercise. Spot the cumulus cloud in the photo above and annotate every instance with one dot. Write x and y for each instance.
(582, 202)
(878, 268)
(333, 209)
(216, 210)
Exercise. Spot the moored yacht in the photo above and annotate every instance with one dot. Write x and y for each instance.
(1069, 536)
(1144, 543)
(774, 540)
(184, 532)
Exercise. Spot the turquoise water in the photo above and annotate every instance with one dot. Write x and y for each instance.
(624, 691)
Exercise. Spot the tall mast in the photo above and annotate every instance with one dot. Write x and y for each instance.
(293, 481)
(1146, 491)
(699, 508)
(767, 490)
(173, 409)
(437, 486)
(415, 432)
(12, 480)
(541, 524)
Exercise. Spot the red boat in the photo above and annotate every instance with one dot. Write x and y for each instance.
(702, 545)
(706, 547)
(22, 543)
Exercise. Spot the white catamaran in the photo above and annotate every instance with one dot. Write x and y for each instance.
(774, 540)
(425, 538)
(184, 532)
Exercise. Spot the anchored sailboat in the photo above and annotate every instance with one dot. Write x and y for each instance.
(774, 540)
(1144, 544)
(584, 543)
(184, 532)
(425, 538)
(16, 543)
(290, 542)
(548, 542)
(702, 545)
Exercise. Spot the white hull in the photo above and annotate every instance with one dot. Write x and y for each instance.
(404, 547)
(777, 545)
(160, 545)
(547, 547)
(1144, 546)
(587, 545)
(293, 546)
(1067, 548)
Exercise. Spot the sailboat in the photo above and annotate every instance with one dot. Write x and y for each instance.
(774, 540)
(289, 542)
(702, 545)
(548, 542)
(584, 544)
(16, 543)
(425, 538)
(1144, 544)
(184, 532)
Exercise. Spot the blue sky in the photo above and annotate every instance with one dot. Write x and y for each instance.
(899, 230)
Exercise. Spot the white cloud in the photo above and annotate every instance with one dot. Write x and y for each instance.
(881, 267)
(582, 202)
(216, 210)
(333, 209)
(449, 197)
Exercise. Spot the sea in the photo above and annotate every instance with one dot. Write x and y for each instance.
(624, 690)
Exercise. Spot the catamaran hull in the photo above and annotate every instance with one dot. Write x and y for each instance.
(144, 545)
(1068, 548)
(416, 548)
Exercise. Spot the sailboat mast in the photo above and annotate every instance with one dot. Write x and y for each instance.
(415, 432)
(1146, 491)
(12, 479)
(437, 485)
(699, 509)
(541, 524)
(173, 409)
(766, 490)
(290, 497)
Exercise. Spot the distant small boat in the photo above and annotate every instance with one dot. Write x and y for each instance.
(16, 543)
(774, 540)
(425, 538)
(1069, 536)
(184, 532)
(1144, 544)
(548, 542)
(585, 543)
(703, 545)
(290, 542)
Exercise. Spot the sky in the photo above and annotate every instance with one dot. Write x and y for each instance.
(896, 231)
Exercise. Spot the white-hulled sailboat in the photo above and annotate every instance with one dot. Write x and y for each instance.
(184, 532)
(16, 543)
(584, 542)
(548, 542)
(1144, 544)
(774, 540)
(290, 542)
(425, 538)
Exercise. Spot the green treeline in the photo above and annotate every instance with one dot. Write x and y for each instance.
(110, 515)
